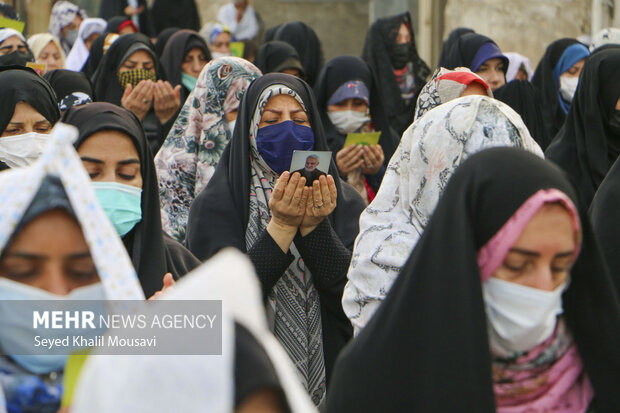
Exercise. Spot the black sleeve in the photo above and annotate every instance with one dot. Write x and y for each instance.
(179, 260)
(269, 261)
(325, 255)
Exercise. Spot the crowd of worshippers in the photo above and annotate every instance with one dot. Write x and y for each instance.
(457, 252)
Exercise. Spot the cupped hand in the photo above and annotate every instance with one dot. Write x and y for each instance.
(138, 100)
(320, 203)
(166, 100)
(372, 159)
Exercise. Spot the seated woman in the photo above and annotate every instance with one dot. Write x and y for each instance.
(304, 39)
(54, 246)
(557, 76)
(129, 75)
(183, 58)
(195, 144)
(116, 155)
(296, 236)
(218, 37)
(481, 55)
(349, 102)
(65, 22)
(47, 50)
(280, 57)
(429, 153)
(29, 112)
(589, 142)
(504, 306)
(391, 54)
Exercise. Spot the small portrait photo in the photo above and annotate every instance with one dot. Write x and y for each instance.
(311, 164)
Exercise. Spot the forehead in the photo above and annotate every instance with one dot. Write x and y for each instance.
(282, 102)
(109, 145)
(140, 56)
(24, 112)
(12, 41)
(493, 62)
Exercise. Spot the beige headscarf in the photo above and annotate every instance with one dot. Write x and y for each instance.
(38, 41)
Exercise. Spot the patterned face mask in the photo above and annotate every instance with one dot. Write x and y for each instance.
(135, 76)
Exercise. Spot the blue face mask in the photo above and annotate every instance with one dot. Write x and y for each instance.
(121, 203)
(188, 81)
(16, 322)
(276, 143)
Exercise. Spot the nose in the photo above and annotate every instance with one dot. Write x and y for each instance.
(55, 280)
(197, 67)
(544, 279)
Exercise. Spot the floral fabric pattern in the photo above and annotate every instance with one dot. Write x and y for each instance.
(427, 156)
(190, 153)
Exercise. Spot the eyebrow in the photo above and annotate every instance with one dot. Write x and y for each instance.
(93, 160)
(99, 161)
(31, 256)
(129, 161)
(279, 111)
(536, 254)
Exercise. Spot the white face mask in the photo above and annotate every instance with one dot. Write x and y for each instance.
(519, 317)
(231, 126)
(568, 86)
(215, 55)
(22, 150)
(348, 121)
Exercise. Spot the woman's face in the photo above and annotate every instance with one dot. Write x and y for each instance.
(193, 62)
(26, 119)
(128, 29)
(110, 156)
(51, 56)
(12, 44)
(74, 25)
(50, 253)
(221, 43)
(544, 253)
(575, 70)
(140, 59)
(358, 105)
(492, 71)
(403, 36)
(281, 108)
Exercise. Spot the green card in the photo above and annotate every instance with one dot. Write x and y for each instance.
(368, 138)
(12, 24)
(237, 48)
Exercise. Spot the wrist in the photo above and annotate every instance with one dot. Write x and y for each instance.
(282, 228)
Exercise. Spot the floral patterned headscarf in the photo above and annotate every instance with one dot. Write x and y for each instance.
(190, 153)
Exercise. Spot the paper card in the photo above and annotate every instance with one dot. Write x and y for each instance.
(237, 49)
(40, 68)
(311, 164)
(12, 24)
(367, 138)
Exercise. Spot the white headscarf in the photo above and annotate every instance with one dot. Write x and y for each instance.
(8, 32)
(611, 35)
(79, 52)
(515, 61)
(151, 384)
(18, 188)
(63, 13)
(430, 151)
(247, 28)
(38, 41)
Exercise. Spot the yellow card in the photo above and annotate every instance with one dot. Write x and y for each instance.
(237, 48)
(368, 138)
(12, 24)
(40, 68)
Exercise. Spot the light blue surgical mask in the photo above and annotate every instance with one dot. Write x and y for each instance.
(17, 331)
(188, 81)
(121, 203)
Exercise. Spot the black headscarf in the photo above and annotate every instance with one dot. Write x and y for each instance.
(95, 56)
(65, 82)
(109, 9)
(177, 47)
(380, 41)
(115, 22)
(585, 147)
(105, 79)
(270, 33)
(450, 42)
(427, 349)
(464, 50)
(152, 252)
(543, 79)
(276, 56)
(21, 84)
(525, 99)
(163, 38)
(606, 220)
(175, 13)
(304, 39)
(334, 74)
